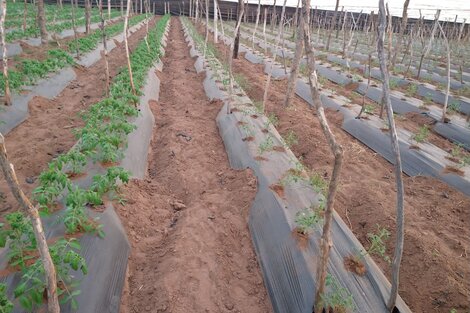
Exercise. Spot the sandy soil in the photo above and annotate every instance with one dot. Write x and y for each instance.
(48, 130)
(187, 221)
(435, 269)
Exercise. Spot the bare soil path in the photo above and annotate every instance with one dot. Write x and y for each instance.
(187, 221)
(48, 131)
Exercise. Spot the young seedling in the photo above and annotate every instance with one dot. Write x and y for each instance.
(422, 134)
(377, 243)
(336, 297)
(318, 183)
(290, 139)
(369, 109)
(65, 257)
(310, 218)
(242, 82)
(5, 304)
(412, 90)
(453, 107)
(266, 145)
(459, 155)
(393, 83)
(272, 120)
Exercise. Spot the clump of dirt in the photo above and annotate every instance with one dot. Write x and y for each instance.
(279, 149)
(453, 170)
(279, 189)
(354, 264)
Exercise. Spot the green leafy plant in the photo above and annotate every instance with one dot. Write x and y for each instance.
(318, 183)
(290, 139)
(266, 145)
(377, 243)
(412, 90)
(32, 286)
(458, 153)
(310, 218)
(18, 233)
(422, 134)
(369, 109)
(336, 297)
(393, 83)
(5, 304)
(454, 106)
(248, 130)
(272, 120)
(294, 175)
(242, 82)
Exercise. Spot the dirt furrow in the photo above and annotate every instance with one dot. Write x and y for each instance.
(187, 222)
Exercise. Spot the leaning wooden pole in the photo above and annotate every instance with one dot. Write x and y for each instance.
(337, 150)
(105, 46)
(446, 100)
(236, 43)
(332, 24)
(278, 40)
(404, 21)
(258, 12)
(3, 15)
(87, 16)
(126, 44)
(33, 214)
(230, 59)
(294, 69)
(400, 220)
(216, 32)
(42, 21)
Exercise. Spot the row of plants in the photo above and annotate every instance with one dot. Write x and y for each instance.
(16, 10)
(308, 219)
(90, 42)
(33, 30)
(460, 159)
(28, 71)
(102, 139)
(52, 13)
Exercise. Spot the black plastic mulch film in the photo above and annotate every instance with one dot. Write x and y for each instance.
(288, 269)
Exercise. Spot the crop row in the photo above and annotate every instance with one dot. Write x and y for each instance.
(33, 30)
(28, 71)
(102, 139)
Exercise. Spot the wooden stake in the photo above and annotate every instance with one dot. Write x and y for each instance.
(240, 10)
(336, 149)
(278, 39)
(446, 41)
(105, 46)
(42, 21)
(87, 16)
(33, 214)
(258, 12)
(3, 15)
(331, 26)
(396, 152)
(404, 21)
(126, 44)
(216, 33)
(294, 69)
